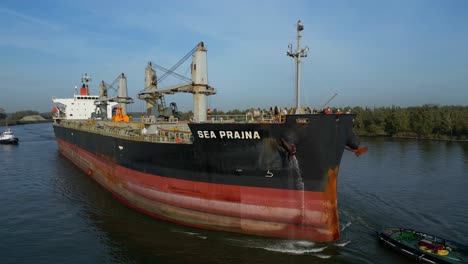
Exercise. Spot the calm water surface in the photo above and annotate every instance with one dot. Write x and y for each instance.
(51, 212)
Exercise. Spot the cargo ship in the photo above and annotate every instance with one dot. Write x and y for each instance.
(269, 172)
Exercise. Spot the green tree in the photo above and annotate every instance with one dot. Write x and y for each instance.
(358, 121)
(421, 119)
(375, 121)
(460, 128)
(396, 121)
(2, 113)
(48, 115)
(20, 114)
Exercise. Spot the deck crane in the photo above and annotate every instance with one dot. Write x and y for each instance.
(121, 99)
(197, 85)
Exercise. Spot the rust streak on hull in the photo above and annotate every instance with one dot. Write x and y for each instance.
(221, 207)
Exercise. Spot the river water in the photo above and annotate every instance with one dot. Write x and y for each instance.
(51, 212)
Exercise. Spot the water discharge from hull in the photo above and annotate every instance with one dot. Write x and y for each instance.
(295, 173)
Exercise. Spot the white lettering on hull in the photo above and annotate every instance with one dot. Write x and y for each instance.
(228, 134)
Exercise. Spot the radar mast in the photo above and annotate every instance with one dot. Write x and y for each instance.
(298, 55)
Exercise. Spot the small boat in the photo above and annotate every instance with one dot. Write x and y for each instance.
(424, 247)
(7, 137)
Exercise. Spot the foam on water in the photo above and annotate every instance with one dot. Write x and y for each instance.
(295, 251)
(193, 234)
(345, 226)
(305, 243)
(322, 256)
(282, 246)
(343, 244)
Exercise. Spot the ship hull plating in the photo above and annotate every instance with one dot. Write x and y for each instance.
(279, 183)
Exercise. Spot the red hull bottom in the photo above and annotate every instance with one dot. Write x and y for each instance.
(269, 212)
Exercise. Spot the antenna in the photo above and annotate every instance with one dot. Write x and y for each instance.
(297, 55)
(85, 78)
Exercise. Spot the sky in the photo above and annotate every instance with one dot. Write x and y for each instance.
(370, 53)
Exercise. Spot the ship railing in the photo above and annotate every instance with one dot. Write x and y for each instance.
(150, 119)
(161, 136)
(153, 119)
(227, 118)
(168, 137)
(239, 118)
(263, 117)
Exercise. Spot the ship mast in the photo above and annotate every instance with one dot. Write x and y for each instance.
(297, 55)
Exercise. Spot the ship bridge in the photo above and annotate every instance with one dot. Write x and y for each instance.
(84, 105)
(78, 107)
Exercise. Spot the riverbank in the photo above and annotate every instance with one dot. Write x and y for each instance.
(413, 137)
(31, 119)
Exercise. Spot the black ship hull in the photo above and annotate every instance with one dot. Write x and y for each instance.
(271, 179)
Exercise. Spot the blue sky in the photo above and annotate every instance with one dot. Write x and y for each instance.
(371, 53)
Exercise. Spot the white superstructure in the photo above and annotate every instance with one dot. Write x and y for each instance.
(79, 107)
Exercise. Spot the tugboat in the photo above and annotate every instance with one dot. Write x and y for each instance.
(424, 247)
(7, 137)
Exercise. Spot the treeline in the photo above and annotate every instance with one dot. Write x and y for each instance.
(13, 118)
(428, 121)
